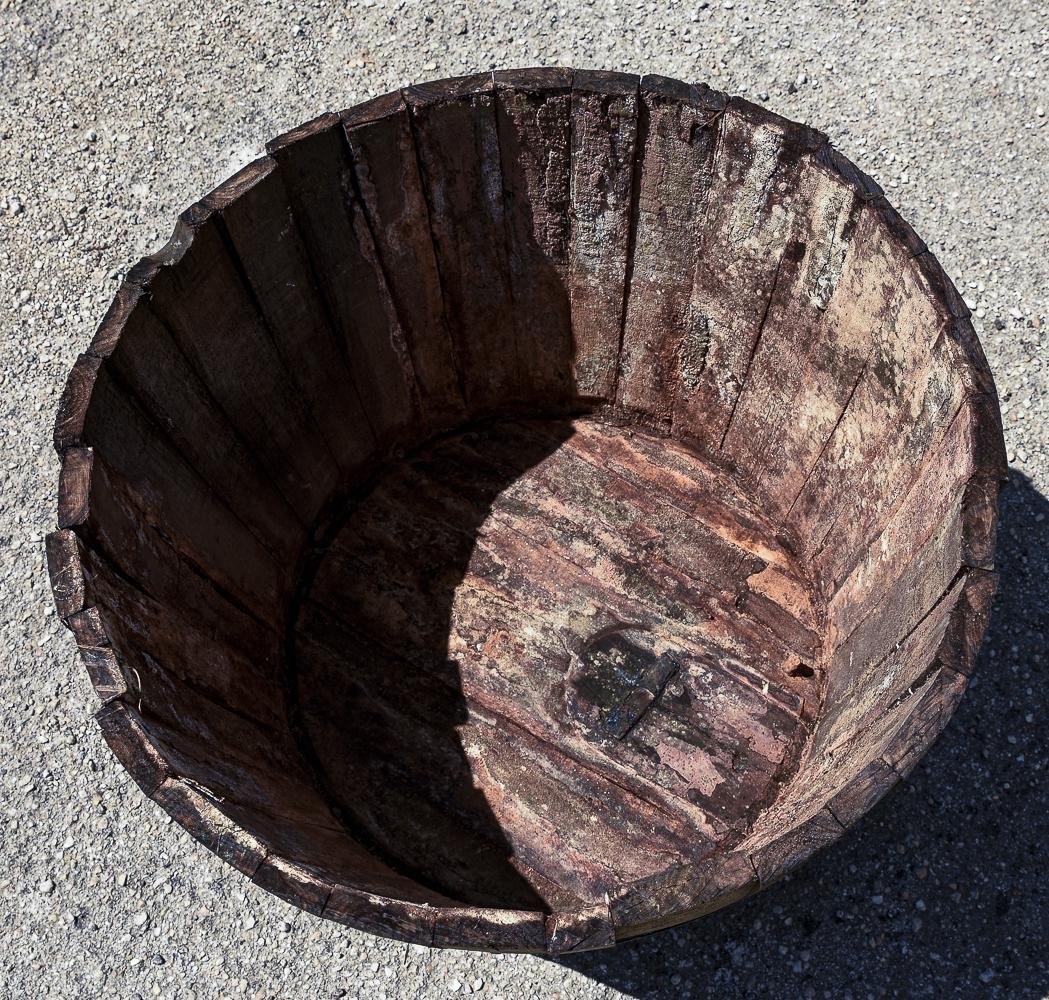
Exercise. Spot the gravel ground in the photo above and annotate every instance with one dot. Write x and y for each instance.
(116, 115)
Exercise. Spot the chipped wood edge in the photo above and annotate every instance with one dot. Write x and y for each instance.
(323, 121)
(454, 88)
(539, 79)
(682, 893)
(375, 110)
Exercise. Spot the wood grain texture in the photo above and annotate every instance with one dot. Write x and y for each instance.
(156, 381)
(603, 153)
(529, 510)
(216, 323)
(386, 170)
(682, 893)
(752, 242)
(457, 144)
(354, 293)
(557, 553)
(533, 120)
(678, 130)
(261, 231)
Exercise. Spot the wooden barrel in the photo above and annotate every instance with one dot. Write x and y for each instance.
(528, 510)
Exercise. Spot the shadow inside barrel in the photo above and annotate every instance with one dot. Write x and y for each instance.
(380, 705)
(939, 890)
(377, 689)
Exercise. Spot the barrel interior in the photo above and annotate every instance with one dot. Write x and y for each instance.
(528, 510)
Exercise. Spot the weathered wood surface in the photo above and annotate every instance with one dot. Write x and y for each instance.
(269, 250)
(353, 286)
(675, 150)
(387, 175)
(457, 145)
(533, 122)
(377, 616)
(214, 319)
(517, 560)
(603, 153)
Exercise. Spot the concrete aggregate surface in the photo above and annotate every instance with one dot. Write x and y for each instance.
(115, 115)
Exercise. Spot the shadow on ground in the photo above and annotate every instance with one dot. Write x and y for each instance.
(941, 889)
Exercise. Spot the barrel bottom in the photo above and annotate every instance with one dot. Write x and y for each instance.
(541, 659)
